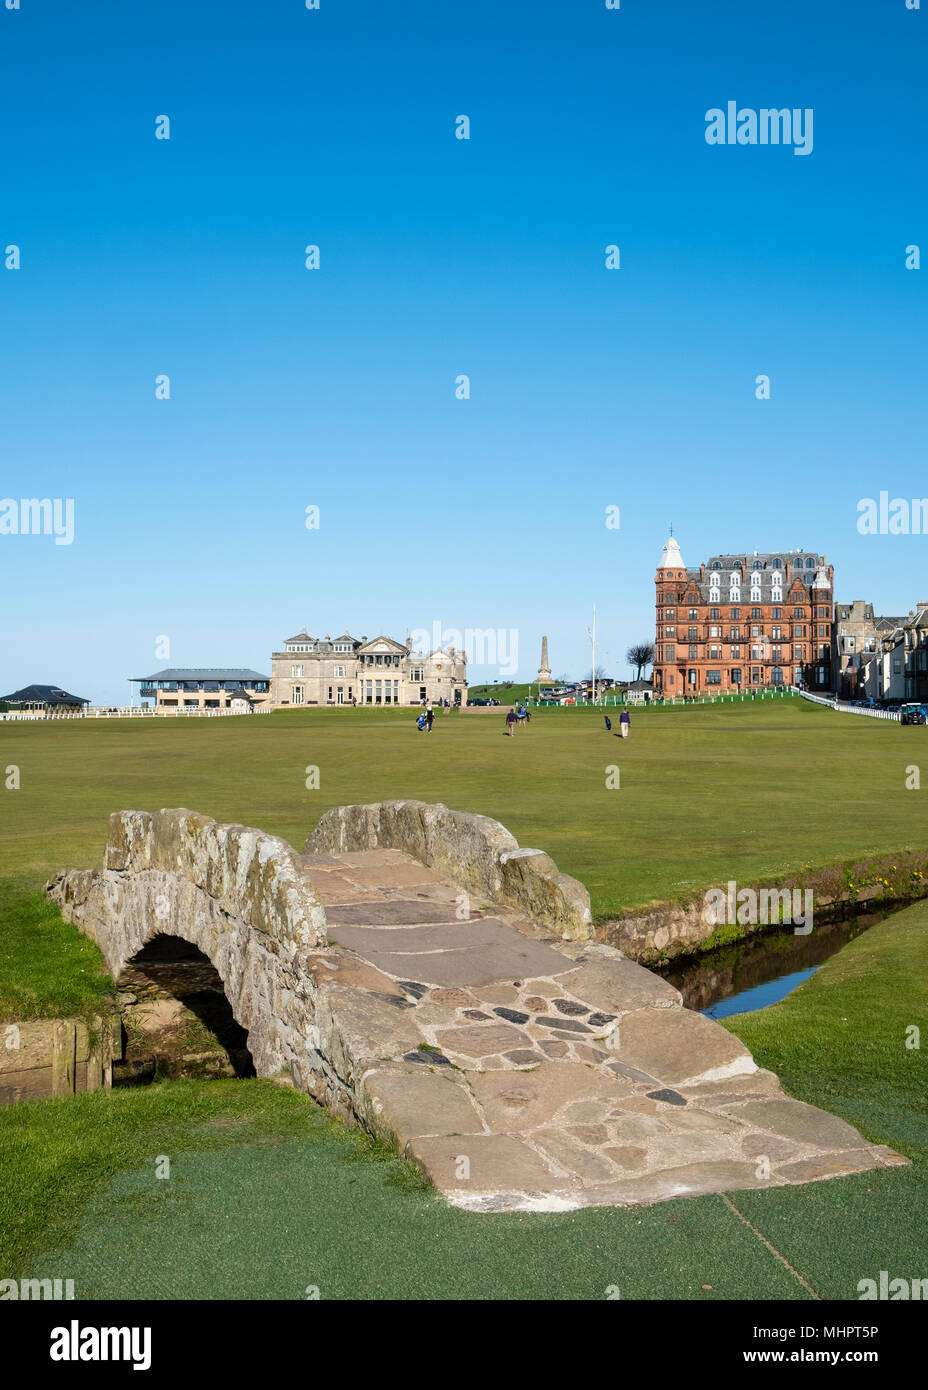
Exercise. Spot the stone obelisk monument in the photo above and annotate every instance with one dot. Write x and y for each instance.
(544, 670)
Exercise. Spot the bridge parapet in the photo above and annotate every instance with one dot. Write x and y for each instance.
(475, 851)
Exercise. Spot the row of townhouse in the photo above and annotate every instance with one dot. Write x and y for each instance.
(881, 658)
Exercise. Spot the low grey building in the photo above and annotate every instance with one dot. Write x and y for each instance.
(203, 688)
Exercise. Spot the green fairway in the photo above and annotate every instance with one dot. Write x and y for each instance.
(707, 793)
(266, 1197)
(47, 969)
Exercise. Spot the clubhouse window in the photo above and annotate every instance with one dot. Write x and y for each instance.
(713, 678)
(297, 696)
(755, 675)
(671, 657)
(755, 612)
(736, 613)
(736, 675)
(694, 613)
(713, 613)
(777, 613)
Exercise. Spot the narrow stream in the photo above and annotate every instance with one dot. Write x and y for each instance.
(762, 970)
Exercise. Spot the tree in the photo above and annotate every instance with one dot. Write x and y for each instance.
(640, 655)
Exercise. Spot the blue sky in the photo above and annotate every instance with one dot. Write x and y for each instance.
(336, 387)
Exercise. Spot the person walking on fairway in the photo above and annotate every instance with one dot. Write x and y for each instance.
(511, 722)
(624, 721)
(429, 716)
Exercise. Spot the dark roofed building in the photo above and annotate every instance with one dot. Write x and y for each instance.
(43, 697)
(203, 687)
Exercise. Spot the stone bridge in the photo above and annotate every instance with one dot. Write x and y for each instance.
(416, 971)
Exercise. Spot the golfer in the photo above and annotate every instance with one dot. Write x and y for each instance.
(624, 721)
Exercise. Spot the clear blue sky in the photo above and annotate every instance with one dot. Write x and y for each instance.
(439, 257)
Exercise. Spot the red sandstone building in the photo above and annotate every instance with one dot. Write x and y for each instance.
(740, 622)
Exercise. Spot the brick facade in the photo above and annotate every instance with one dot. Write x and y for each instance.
(742, 621)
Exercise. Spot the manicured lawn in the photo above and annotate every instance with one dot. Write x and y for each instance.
(708, 793)
(48, 969)
(839, 1041)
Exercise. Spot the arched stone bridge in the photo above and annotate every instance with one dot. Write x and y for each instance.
(416, 971)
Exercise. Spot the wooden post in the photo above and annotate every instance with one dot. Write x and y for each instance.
(64, 1053)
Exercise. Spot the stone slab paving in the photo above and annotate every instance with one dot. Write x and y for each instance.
(525, 1072)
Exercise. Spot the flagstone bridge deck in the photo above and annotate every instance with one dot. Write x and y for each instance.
(520, 1063)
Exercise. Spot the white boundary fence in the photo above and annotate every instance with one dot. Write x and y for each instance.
(128, 712)
(845, 708)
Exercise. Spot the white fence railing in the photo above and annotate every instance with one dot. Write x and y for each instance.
(128, 712)
(846, 708)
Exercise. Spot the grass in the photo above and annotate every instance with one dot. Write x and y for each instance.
(267, 1195)
(839, 1040)
(58, 1154)
(506, 694)
(47, 968)
(708, 793)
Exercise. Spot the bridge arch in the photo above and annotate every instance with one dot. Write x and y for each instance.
(239, 896)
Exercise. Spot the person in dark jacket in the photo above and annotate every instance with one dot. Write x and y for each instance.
(624, 722)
